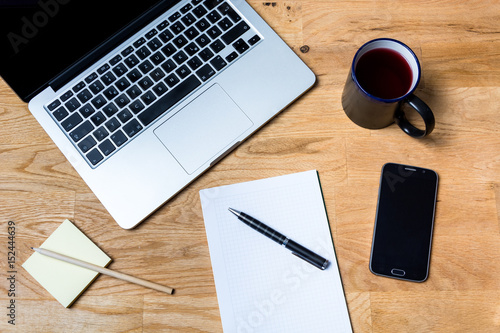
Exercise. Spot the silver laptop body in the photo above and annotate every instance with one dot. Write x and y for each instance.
(176, 147)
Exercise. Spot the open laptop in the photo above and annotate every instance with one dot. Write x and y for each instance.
(142, 97)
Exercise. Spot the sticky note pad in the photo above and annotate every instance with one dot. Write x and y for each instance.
(63, 280)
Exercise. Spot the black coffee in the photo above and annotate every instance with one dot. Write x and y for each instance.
(384, 73)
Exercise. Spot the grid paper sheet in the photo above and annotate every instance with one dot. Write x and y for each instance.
(261, 286)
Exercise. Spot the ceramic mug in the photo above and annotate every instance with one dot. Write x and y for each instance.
(383, 76)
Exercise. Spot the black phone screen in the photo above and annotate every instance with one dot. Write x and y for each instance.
(404, 222)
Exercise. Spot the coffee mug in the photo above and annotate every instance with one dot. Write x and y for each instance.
(383, 76)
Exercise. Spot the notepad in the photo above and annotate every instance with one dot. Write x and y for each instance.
(260, 285)
(62, 280)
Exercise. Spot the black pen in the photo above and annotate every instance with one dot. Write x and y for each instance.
(296, 249)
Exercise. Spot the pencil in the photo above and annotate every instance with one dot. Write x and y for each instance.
(105, 271)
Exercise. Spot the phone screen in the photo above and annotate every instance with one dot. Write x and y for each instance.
(404, 222)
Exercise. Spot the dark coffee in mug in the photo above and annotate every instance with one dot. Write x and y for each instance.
(384, 73)
(383, 76)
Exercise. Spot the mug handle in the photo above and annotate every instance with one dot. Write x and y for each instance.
(424, 111)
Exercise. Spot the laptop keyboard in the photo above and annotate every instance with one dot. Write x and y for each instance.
(126, 94)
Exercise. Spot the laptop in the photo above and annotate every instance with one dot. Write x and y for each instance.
(143, 97)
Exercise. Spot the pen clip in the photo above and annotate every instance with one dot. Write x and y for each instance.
(325, 264)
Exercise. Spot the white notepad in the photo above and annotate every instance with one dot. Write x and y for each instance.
(261, 286)
(63, 280)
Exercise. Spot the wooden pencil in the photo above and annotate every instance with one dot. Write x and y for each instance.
(105, 271)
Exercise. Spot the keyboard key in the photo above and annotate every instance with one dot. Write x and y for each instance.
(180, 41)
(132, 128)
(168, 49)
(134, 92)
(206, 54)
(225, 23)
(211, 4)
(103, 68)
(127, 51)
(110, 93)
(254, 40)
(52, 106)
(194, 63)
(134, 75)
(166, 36)
(180, 57)
(205, 72)
(168, 100)
(81, 131)
(96, 87)
(217, 46)
(174, 16)
(203, 40)
(191, 49)
(100, 133)
(84, 96)
(154, 44)
(160, 89)
(95, 156)
(87, 110)
(72, 104)
(110, 109)
(235, 32)
(122, 84)
(177, 28)
(99, 102)
(202, 25)
(151, 34)
(108, 78)
(157, 74)
(116, 59)
(168, 65)
(60, 113)
(183, 71)
(145, 66)
(214, 32)
(107, 147)
(162, 25)
(119, 138)
(112, 125)
(186, 8)
(91, 77)
(191, 33)
(79, 87)
(131, 61)
(143, 53)
(188, 19)
(139, 42)
(145, 83)
(120, 69)
(122, 101)
(157, 58)
(218, 63)
(241, 46)
(172, 80)
(86, 144)
(136, 106)
(67, 95)
(213, 16)
(226, 9)
(71, 122)
(200, 11)
(148, 97)
(232, 56)
(98, 118)
(124, 116)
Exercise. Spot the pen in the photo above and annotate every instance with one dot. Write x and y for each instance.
(296, 248)
(105, 271)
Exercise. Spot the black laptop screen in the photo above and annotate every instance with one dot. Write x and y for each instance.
(41, 38)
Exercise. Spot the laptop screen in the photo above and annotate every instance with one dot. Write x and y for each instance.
(41, 38)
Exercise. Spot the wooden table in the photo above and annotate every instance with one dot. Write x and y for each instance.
(458, 43)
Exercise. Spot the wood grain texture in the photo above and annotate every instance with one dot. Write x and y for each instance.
(458, 44)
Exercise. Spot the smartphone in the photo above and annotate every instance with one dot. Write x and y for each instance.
(404, 222)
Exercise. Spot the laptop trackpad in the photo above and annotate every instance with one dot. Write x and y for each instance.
(203, 129)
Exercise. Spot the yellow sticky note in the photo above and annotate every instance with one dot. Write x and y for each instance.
(63, 280)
